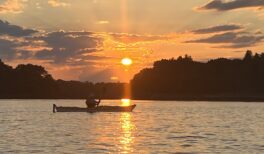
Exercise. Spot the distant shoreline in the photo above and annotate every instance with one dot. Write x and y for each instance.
(181, 79)
(191, 99)
(209, 98)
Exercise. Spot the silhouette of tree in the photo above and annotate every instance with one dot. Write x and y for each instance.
(184, 78)
(4, 67)
(248, 56)
(32, 81)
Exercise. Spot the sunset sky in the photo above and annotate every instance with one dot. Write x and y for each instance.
(87, 39)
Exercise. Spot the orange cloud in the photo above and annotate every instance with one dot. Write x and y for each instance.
(58, 3)
(12, 6)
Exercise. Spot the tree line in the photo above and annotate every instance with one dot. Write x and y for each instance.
(168, 79)
(28, 81)
(217, 79)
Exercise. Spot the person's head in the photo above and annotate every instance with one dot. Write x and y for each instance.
(91, 96)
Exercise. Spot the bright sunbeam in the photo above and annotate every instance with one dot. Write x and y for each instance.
(126, 61)
(125, 102)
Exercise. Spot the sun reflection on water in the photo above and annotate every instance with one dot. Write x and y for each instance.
(125, 102)
(127, 133)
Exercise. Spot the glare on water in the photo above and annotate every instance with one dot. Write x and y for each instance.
(125, 102)
(127, 134)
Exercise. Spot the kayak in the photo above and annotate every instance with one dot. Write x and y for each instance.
(96, 109)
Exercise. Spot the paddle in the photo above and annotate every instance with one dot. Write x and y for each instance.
(101, 95)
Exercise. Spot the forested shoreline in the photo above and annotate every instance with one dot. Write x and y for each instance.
(28, 81)
(169, 79)
(218, 79)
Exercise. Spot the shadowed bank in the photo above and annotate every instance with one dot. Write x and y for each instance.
(172, 79)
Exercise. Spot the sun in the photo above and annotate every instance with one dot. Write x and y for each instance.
(126, 61)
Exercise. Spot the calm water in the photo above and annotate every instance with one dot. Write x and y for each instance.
(29, 126)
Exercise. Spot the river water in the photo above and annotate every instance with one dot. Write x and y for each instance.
(29, 126)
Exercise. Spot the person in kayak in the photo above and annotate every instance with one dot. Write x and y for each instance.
(91, 102)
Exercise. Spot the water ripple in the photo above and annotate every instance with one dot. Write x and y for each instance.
(27, 126)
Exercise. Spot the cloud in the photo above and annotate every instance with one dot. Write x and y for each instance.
(14, 47)
(134, 38)
(72, 47)
(56, 47)
(103, 22)
(12, 6)
(72, 40)
(68, 45)
(232, 39)
(223, 5)
(9, 50)
(217, 29)
(14, 30)
(57, 3)
(64, 56)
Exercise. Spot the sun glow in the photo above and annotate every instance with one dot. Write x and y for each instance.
(126, 61)
(125, 102)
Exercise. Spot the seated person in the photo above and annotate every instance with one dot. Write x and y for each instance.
(92, 103)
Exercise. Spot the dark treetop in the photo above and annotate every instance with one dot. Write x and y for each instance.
(31, 81)
(218, 79)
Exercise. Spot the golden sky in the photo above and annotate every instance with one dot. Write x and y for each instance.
(87, 39)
